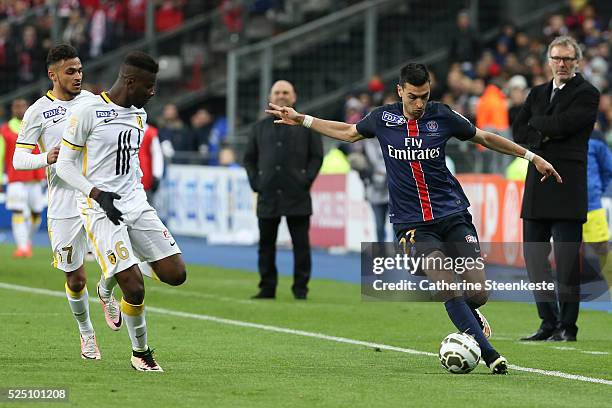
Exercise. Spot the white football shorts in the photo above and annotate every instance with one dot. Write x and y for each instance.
(27, 197)
(141, 236)
(68, 242)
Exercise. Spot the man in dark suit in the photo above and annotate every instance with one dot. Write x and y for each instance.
(555, 122)
(282, 163)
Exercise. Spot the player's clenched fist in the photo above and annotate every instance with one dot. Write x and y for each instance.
(52, 155)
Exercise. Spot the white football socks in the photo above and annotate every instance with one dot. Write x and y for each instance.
(35, 221)
(21, 230)
(79, 304)
(134, 317)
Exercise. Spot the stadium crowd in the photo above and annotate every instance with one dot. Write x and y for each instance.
(95, 27)
(486, 82)
(91, 26)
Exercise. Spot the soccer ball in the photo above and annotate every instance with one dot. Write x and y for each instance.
(459, 353)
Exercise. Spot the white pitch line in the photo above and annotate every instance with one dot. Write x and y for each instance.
(597, 353)
(178, 291)
(322, 336)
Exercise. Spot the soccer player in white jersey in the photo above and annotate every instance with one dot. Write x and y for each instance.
(43, 124)
(99, 158)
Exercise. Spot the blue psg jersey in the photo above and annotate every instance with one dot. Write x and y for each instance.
(421, 188)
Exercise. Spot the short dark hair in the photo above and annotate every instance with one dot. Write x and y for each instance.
(61, 52)
(141, 60)
(414, 74)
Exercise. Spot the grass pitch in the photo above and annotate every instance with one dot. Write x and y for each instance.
(216, 364)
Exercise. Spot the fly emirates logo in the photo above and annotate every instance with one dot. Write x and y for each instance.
(413, 150)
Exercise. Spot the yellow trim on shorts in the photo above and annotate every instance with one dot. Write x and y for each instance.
(54, 263)
(18, 218)
(73, 294)
(26, 145)
(95, 245)
(71, 145)
(130, 309)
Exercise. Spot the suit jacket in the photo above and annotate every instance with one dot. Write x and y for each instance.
(282, 162)
(558, 130)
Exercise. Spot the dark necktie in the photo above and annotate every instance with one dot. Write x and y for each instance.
(554, 92)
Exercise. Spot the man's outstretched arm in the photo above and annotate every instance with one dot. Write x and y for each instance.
(336, 130)
(503, 145)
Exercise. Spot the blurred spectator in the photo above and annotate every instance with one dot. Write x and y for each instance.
(75, 32)
(507, 36)
(227, 157)
(336, 160)
(492, 110)
(554, 27)
(97, 30)
(217, 135)
(390, 97)
(596, 71)
(608, 115)
(168, 16)
(172, 129)
(353, 110)
(376, 87)
(605, 104)
(465, 45)
(151, 162)
(517, 169)
(29, 56)
(8, 60)
(201, 124)
(517, 93)
(492, 116)
(135, 19)
(2, 153)
(377, 192)
(436, 90)
(595, 232)
(575, 18)
(231, 11)
(366, 102)
(115, 11)
(521, 41)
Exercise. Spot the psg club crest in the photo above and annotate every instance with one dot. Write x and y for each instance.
(432, 125)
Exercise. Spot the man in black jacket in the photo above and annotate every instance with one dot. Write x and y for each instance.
(282, 163)
(555, 122)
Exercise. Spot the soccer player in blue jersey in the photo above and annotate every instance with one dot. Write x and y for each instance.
(427, 206)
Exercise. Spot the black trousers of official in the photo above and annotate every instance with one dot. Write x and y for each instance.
(560, 310)
(302, 262)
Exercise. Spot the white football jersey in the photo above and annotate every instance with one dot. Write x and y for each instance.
(43, 124)
(109, 137)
